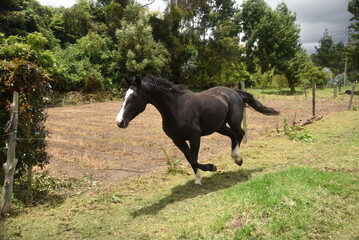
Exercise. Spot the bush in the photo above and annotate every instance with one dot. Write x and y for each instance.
(82, 66)
(33, 85)
(297, 133)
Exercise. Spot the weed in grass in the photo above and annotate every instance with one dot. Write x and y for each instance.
(174, 166)
(246, 232)
(297, 133)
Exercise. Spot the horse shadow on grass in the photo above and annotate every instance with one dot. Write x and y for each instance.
(213, 183)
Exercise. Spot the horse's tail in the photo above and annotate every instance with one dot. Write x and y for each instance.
(255, 104)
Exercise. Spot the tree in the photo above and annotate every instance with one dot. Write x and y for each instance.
(137, 52)
(23, 17)
(271, 37)
(220, 57)
(311, 73)
(74, 22)
(352, 50)
(328, 54)
(202, 38)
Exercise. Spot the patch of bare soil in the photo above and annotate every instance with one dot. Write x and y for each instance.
(85, 140)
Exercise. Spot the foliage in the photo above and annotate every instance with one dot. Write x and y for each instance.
(76, 22)
(82, 65)
(313, 73)
(174, 166)
(198, 43)
(272, 37)
(33, 85)
(31, 48)
(352, 50)
(23, 17)
(137, 52)
(45, 189)
(328, 54)
(297, 133)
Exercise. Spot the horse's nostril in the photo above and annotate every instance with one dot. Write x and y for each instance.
(122, 124)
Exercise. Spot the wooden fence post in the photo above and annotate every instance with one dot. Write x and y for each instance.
(11, 161)
(245, 128)
(352, 96)
(335, 91)
(305, 91)
(313, 96)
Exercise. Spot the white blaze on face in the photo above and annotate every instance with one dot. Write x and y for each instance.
(119, 117)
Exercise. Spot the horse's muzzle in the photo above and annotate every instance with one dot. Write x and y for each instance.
(122, 124)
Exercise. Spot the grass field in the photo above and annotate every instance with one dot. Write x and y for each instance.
(285, 190)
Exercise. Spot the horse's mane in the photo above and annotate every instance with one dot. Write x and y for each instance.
(152, 83)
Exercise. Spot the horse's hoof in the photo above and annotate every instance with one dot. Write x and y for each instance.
(239, 161)
(214, 168)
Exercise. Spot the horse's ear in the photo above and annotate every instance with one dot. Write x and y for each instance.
(138, 80)
(129, 80)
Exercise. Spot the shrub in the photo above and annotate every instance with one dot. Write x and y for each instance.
(297, 133)
(33, 85)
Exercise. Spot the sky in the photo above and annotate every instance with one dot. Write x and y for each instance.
(313, 17)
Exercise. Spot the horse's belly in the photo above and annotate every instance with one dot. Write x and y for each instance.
(211, 123)
(207, 129)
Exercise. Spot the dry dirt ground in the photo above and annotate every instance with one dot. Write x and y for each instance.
(86, 142)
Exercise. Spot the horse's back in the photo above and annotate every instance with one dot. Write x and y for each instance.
(213, 107)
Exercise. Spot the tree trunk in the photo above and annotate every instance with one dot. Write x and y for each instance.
(291, 86)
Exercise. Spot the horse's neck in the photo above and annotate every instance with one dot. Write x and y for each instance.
(165, 103)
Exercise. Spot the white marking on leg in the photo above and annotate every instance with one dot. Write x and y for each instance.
(235, 152)
(119, 117)
(236, 156)
(198, 178)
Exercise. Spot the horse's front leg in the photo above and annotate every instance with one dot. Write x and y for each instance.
(183, 146)
(194, 149)
(191, 154)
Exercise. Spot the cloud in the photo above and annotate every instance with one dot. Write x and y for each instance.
(314, 16)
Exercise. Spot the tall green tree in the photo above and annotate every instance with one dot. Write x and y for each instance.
(328, 54)
(24, 17)
(136, 50)
(271, 37)
(70, 24)
(352, 49)
(202, 38)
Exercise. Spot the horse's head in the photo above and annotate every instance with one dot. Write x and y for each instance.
(134, 103)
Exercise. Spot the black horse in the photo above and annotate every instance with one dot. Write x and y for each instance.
(186, 116)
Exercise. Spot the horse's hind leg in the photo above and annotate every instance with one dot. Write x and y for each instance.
(236, 140)
(236, 127)
(235, 151)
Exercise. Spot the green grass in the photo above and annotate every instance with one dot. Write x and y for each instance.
(285, 190)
